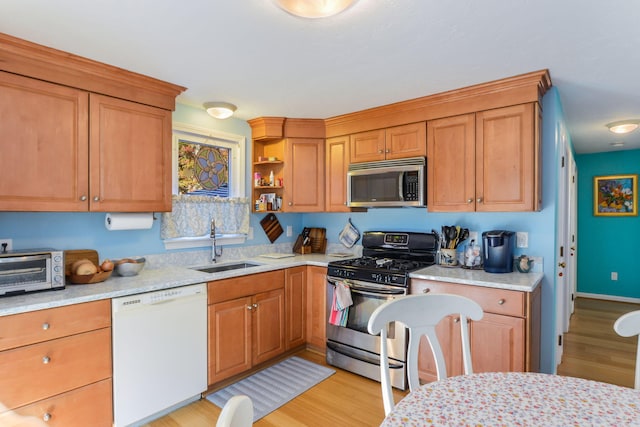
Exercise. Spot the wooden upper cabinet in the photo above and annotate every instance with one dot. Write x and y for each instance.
(485, 162)
(130, 156)
(44, 146)
(406, 141)
(507, 166)
(337, 166)
(304, 175)
(451, 160)
(392, 143)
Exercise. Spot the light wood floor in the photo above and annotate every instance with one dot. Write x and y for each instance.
(592, 350)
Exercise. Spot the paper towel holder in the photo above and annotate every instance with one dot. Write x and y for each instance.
(108, 220)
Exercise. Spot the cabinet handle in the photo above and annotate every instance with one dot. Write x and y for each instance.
(426, 290)
(501, 301)
(470, 199)
(46, 360)
(479, 200)
(96, 199)
(46, 416)
(45, 326)
(83, 198)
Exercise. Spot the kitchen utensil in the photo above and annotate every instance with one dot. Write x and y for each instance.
(349, 234)
(451, 236)
(271, 227)
(129, 266)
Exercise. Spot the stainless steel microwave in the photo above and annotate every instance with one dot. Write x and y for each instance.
(387, 183)
(31, 270)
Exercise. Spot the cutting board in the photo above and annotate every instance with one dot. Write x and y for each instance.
(271, 227)
(72, 256)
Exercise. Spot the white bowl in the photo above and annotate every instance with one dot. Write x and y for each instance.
(129, 266)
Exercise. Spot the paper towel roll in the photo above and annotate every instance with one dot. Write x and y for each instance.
(128, 221)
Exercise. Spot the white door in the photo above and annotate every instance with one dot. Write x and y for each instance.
(572, 260)
(561, 244)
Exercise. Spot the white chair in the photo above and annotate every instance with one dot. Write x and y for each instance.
(628, 325)
(420, 314)
(237, 412)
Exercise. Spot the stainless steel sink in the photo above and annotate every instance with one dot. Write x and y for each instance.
(226, 267)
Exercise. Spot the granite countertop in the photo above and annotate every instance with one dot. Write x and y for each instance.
(148, 280)
(156, 279)
(526, 282)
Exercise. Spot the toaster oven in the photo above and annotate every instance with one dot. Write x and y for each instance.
(31, 270)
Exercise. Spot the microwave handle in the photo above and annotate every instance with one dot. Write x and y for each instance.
(401, 186)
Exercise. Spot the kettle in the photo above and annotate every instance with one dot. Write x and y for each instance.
(497, 250)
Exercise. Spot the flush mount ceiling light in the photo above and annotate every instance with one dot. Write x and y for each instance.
(623, 126)
(220, 110)
(314, 8)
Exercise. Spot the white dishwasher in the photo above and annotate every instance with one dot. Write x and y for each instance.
(159, 352)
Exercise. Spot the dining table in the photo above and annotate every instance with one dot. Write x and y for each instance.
(517, 399)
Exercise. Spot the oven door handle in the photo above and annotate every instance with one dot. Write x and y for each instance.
(376, 292)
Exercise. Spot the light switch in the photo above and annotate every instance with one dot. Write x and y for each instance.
(522, 239)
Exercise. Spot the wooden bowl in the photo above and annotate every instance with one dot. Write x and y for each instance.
(85, 279)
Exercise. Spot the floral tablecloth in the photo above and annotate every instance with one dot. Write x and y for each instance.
(517, 399)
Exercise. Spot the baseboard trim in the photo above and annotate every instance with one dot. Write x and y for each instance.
(608, 297)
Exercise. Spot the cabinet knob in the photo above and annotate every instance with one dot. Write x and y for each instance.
(426, 290)
(387, 151)
(46, 360)
(456, 320)
(83, 198)
(255, 306)
(380, 151)
(249, 307)
(45, 326)
(46, 416)
(290, 203)
(501, 301)
(470, 199)
(96, 199)
(479, 200)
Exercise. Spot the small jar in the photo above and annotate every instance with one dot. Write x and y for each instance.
(257, 179)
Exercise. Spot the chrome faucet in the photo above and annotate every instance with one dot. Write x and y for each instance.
(213, 241)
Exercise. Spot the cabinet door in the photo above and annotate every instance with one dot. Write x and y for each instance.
(268, 325)
(507, 164)
(367, 146)
(317, 307)
(451, 161)
(44, 146)
(130, 156)
(497, 343)
(337, 167)
(296, 306)
(406, 141)
(304, 181)
(229, 338)
(448, 331)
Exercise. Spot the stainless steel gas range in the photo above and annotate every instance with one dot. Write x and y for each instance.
(382, 273)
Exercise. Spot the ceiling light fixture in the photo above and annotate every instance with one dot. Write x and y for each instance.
(623, 126)
(220, 110)
(314, 8)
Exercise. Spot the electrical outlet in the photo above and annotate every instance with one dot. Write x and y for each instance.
(8, 242)
(473, 235)
(289, 231)
(250, 234)
(522, 239)
(614, 275)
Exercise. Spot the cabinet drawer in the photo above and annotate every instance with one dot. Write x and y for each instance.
(38, 371)
(42, 325)
(86, 406)
(243, 286)
(492, 300)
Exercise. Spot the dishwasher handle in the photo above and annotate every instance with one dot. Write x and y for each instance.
(133, 302)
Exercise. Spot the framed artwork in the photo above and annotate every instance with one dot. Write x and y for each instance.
(615, 195)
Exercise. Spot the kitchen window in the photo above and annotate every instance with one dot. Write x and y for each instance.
(208, 183)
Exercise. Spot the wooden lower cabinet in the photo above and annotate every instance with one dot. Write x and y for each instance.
(506, 339)
(246, 323)
(317, 308)
(56, 365)
(296, 307)
(90, 405)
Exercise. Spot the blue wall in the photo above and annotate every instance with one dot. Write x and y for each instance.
(606, 244)
(86, 230)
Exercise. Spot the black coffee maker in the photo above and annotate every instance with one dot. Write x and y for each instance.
(497, 250)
